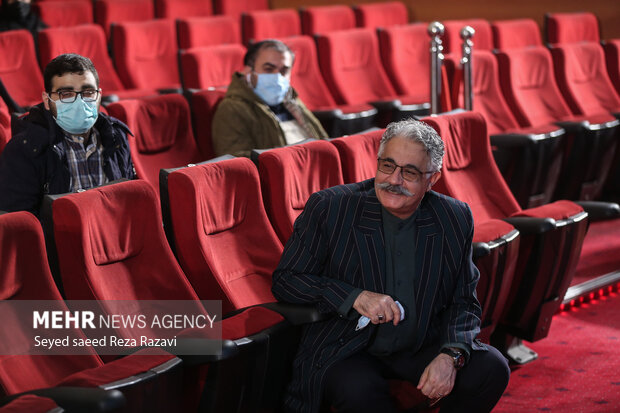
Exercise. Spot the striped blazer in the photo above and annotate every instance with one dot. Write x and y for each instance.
(337, 245)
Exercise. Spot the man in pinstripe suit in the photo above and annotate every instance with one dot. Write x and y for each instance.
(361, 250)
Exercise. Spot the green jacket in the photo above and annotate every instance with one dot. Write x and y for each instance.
(243, 122)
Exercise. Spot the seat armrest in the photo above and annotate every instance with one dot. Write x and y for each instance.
(325, 115)
(572, 127)
(480, 249)
(600, 211)
(79, 399)
(195, 346)
(512, 140)
(531, 225)
(386, 105)
(167, 91)
(297, 314)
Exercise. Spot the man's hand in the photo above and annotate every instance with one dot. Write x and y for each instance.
(437, 380)
(380, 308)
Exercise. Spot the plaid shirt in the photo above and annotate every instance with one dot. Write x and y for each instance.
(85, 164)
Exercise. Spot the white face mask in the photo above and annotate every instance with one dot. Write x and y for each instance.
(271, 87)
(76, 117)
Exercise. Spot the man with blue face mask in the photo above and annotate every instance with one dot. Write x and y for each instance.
(64, 144)
(261, 110)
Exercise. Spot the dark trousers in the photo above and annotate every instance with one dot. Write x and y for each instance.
(360, 383)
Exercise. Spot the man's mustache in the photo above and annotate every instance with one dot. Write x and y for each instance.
(396, 189)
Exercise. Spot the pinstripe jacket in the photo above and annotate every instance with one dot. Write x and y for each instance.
(337, 245)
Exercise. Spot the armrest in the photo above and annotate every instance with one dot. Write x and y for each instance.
(600, 211)
(107, 99)
(297, 314)
(167, 91)
(324, 115)
(570, 126)
(80, 399)
(195, 346)
(480, 249)
(531, 225)
(386, 105)
(510, 140)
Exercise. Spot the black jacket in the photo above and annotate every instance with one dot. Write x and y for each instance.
(33, 162)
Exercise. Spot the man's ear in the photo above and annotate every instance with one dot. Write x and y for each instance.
(434, 178)
(45, 99)
(246, 70)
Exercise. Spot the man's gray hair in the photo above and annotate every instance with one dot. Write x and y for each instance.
(418, 132)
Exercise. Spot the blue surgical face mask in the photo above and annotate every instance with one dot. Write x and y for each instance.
(271, 87)
(76, 117)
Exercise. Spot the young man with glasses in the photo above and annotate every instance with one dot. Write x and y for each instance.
(64, 144)
(390, 263)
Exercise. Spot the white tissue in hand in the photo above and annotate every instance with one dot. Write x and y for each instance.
(363, 320)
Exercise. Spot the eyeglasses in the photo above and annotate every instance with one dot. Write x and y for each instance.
(409, 173)
(69, 96)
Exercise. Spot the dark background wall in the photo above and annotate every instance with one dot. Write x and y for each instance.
(608, 11)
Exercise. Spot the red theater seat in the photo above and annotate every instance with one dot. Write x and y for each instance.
(19, 71)
(306, 78)
(210, 66)
(86, 40)
(270, 24)
(374, 15)
(26, 276)
(483, 38)
(207, 31)
(530, 158)
(65, 13)
(358, 155)
(224, 240)
(121, 11)
(236, 7)
(551, 235)
(563, 28)
(111, 246)
(612, 58)
(515, 33)
(351, 66)
(582, 78)
(326, 19)
(203, 106)
(530, 89)
(287, 181)
(162, 131)
(5, 125)
(145, 54)
(173, 9)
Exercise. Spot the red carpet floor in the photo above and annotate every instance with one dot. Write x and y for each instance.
(578, 369)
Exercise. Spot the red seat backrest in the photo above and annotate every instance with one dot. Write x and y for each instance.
(612, 58)
(86, 40)
(358, 155)
(572, 27)
(65, 13)
(25, 275)
(162, 131)
(19, 70)
(5, 125)
(236, 7)
(306, 76)
(515, 33)
(145, 54)
(270, 24)
(203, 106)
(172, 9)
(111, 246)
(289, 175)
(383, 15)
(583, 80)
(326, 19)
(405, 50)
(488, 97)
(469, 172)
(529, 86)
(225, 242)
(208, 31)
(120, 11)
(452, 41)
(351, 66)
(210, 66)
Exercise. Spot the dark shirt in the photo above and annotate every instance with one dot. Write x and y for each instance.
(281, 112)
(399, 236)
